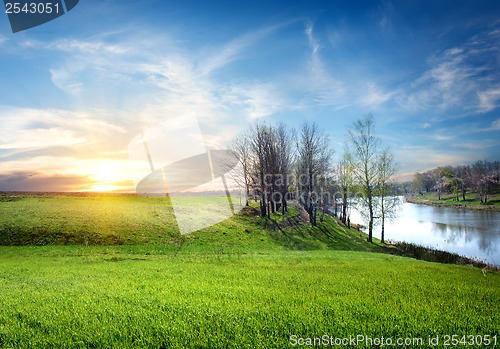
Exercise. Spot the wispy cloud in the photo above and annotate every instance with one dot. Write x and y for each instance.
(495, 126)
(373, 95)
(386, 9)
(24, 128)
(327, 89)
(260, 99)
(488, 100)
(87, 47)
(232, 50)
(334, 87)
(464, 77)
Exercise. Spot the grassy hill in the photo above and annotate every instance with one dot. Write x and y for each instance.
(111, 274)
(129, 220)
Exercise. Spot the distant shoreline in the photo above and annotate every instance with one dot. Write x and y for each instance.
(457, 205)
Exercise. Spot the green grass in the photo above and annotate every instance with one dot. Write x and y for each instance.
(68, 220)
(109, 272)
(449, 199)
(129, 296)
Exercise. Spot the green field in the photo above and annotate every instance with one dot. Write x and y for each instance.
(111, 272)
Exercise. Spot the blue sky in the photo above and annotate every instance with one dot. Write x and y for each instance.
(76, 90)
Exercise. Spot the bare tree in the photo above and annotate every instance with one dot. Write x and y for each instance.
(242, 150)
(387, 202)
(285, 139)
(261, 168)
(364, 160)
(345, 183)
(314, 154)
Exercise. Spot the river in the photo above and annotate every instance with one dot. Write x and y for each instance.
(470, 233)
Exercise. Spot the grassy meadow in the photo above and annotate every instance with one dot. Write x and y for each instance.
(112, 272)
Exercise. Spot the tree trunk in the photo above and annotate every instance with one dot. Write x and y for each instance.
(344, 211)
(323, 213)
(485, 194)
(370, 223)
(383, 223)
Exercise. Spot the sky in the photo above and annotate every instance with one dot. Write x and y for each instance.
(74, 92)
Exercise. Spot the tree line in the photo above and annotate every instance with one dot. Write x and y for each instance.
(481, 176)
(280, 164)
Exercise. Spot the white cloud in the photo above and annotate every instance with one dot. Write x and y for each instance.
(442, 137)
(495, 125)
(464, 77)
(232, 50)
(327, 89)
(63, 79)
(259, 100)
(32, 128)
(87, 47)
(374, 96)
(488, 100)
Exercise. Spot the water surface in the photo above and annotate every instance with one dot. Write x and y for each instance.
(471, 233)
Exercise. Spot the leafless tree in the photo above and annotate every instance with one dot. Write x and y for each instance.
(285, 140)
(313, 163)
(264, 150)
(387, 202)
(364, 160)
(345, 181)
(241, 148)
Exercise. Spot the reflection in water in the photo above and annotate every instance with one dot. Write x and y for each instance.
(472, 233)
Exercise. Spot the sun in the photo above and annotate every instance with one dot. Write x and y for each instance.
(106, 172)
(103, 187)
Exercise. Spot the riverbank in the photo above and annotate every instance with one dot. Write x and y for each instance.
(430, 254)
(449, 200)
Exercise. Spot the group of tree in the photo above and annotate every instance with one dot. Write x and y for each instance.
(279, 164)
(482, 177)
